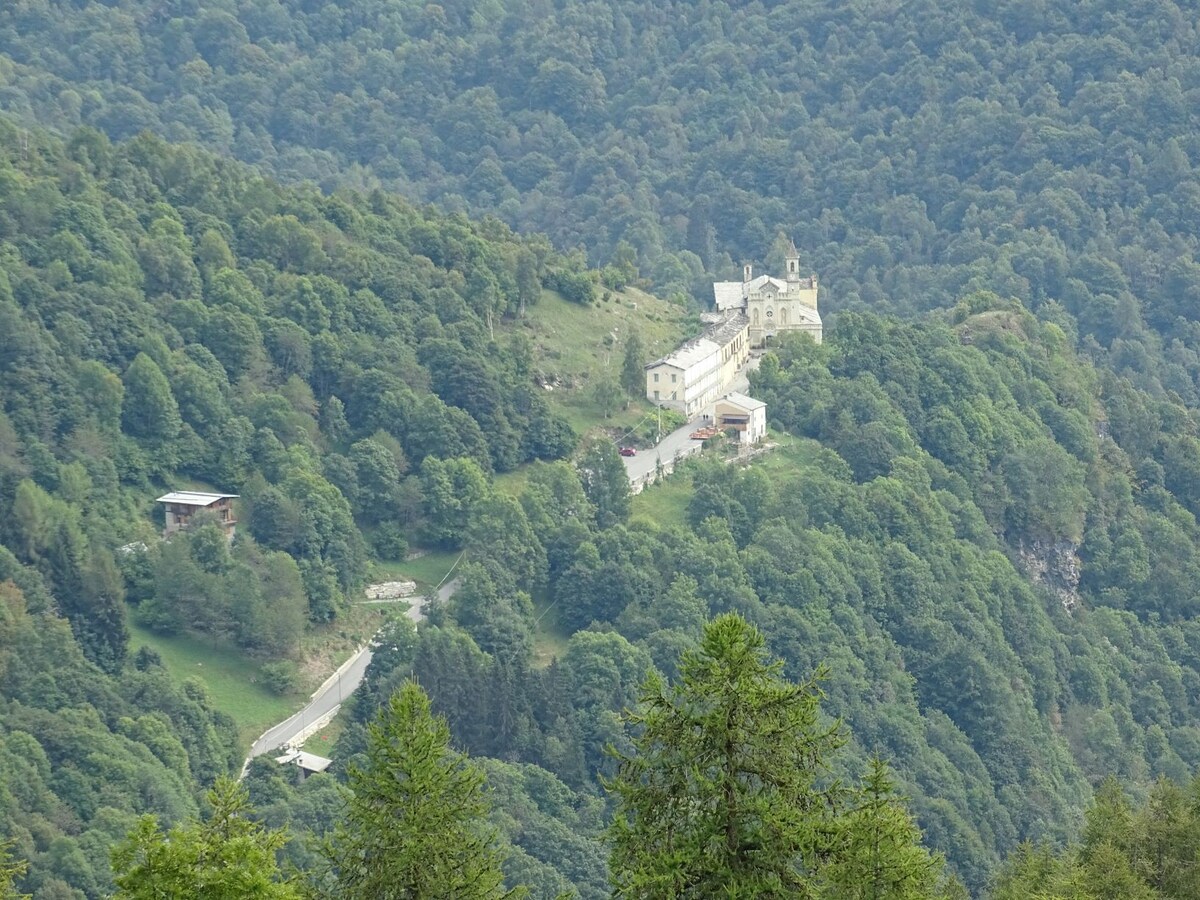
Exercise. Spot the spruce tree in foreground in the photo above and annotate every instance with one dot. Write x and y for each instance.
(726, 792)
(414, 826)
(10, 871)
(877, 852)
(228, 857)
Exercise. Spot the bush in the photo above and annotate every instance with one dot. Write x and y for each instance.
(389, 541)
(279, 677)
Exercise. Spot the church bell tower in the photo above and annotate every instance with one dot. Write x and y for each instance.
(793, 264)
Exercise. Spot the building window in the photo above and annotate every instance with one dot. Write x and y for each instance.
(674, 378)
(656, 394)
(673, 395)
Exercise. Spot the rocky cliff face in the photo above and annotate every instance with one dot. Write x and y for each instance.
(1054, 564)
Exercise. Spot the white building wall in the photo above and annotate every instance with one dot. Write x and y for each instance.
(706, 372)
(660, 386)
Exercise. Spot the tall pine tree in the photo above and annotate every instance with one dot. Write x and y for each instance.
(877, 852)
(228, 857)
(414, 826)
(633, 373)
(726, 792)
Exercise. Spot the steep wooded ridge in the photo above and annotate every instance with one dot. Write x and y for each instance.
(984, 520)
(1041, 149)
(983, 547)
(138, 349)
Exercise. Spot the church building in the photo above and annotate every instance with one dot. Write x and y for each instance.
(773, 305)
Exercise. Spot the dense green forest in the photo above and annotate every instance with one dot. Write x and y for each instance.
(982, 516)
(977, 534)
(316, 371)
(1142, 851)
(1045, 149)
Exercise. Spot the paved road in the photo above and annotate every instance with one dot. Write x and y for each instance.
(337, 689)
(637, 467)
(668, 448)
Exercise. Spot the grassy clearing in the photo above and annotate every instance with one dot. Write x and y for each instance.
(665, 504)
(572, 344)
(323, 741)
(512, 483)
(325, 647)
(427, 570)
(232, 680)
(549, 637)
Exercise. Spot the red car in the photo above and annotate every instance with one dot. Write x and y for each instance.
(629, 451)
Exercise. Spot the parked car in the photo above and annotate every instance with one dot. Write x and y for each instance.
(629, 451)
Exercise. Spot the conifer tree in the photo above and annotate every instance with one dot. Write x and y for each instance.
(877, 854)
(726, 792)
(10, 870)
(414, 826)
(633, 375)
(228, 857)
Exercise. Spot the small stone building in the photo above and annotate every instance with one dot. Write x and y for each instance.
(182, 507)
(307, 763)
(745, 414)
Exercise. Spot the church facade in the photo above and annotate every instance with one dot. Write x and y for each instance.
(773, 305)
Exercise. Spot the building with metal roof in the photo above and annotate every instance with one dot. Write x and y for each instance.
(742, 413)
(183, 506)
(308, 763)
(694, 374)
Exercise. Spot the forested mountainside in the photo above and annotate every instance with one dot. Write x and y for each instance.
(982, 517)
(168, 318)
(166, 315)
(83, 753)
(990, 541)
(1141, 851)
(1043, 149)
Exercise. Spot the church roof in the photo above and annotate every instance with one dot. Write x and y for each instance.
(808, 315)
(762, 280)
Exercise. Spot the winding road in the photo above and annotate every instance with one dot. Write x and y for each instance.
(338, 687)
(349, 676)
(679, 440)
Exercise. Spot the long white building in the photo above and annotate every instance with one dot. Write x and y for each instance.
(694, 375)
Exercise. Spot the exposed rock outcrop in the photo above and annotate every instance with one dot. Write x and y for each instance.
(1054, 564)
